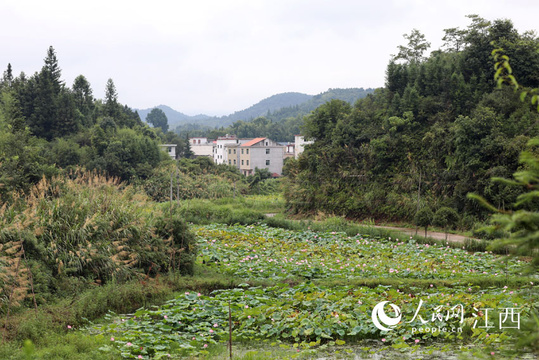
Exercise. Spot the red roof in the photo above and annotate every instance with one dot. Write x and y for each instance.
(254, 141)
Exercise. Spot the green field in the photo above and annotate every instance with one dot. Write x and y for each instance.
(306, 294)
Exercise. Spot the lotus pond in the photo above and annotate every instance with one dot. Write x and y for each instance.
(306, 316)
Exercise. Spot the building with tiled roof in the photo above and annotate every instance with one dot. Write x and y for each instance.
(261, 153)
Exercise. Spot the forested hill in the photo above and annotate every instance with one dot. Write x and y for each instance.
(260, 120)
(439, 130)
(264, 107)
(276, 108)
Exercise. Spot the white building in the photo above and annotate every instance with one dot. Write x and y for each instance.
(299, 144)
(200, 146)
(220, 150)
(170, 149)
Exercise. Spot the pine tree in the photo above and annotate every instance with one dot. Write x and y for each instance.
(52, 69)
(111, 100)
(83, 97)
(7, 79)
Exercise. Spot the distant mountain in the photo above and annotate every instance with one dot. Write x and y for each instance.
(276, 107)
(174, 117)
(267, 106)
(348, 95)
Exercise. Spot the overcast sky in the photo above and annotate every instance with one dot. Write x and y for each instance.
(220, 56)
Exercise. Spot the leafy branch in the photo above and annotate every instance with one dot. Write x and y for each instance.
(504, 75)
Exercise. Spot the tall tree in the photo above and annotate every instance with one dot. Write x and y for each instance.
(83, 97)
(454, 39)
(44, 107)
(7, 78)
(417, 45)
(52, 69)
(158, 119)
(111, 100)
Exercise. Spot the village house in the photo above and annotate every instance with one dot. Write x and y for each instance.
(170, 149)
(300, 143)
(261, 153)
(289, 150)
(220, 153)
(200, 146)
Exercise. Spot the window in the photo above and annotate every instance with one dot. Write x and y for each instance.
(247, 151)
(199, 141)
(234, 151)
(267, 162)
(242, 162)
(229, 162)
(247, 162)
(242, 151)
(266, 143)
(229, 151)
(267, 151)
(234, 162)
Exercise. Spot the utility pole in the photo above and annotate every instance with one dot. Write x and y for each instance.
(177, 186)
(171, 176)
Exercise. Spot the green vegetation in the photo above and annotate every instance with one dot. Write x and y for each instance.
(73, 233)
(315, 311)
(424, 218)
(198, 178)
(102, 234)
(437, 131)
(445, 218)
(47, 127)
(158, 119)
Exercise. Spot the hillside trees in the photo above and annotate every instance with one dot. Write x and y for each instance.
(158, 119)
(437, 131)
(46, 126)
(21, 162)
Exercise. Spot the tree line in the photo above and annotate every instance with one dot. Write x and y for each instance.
(438, 130)
(46, 125)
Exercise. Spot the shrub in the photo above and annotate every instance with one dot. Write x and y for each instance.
(445, 218)
(423, 218)
(83, 229)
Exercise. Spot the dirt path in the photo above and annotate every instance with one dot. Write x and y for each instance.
(421, 232)
(431, 234)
